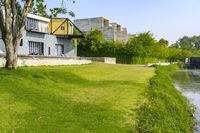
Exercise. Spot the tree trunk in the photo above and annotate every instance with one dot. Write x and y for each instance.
(11, 60)
(11, 57)
(11, 52)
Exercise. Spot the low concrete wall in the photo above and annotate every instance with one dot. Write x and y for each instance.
(2, 61)
(107, 60)
(46, 61)
(162, 63)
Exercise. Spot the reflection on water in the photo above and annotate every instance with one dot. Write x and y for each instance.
(188, 82)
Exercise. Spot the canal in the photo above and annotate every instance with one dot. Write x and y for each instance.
(188, 82)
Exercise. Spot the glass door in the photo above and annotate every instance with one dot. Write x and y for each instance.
(59, 50)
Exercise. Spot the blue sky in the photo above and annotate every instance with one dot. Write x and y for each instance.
(169, 19)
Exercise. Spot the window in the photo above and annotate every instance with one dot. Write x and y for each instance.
(32, 24)
(21, 42)
(49, 50)
(59, 50)
(36, 48)
(62, 28)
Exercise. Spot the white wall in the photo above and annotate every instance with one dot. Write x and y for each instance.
(2, 46)
(49, 41)
(34, 61)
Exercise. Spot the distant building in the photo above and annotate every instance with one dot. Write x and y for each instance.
(47, 37)
(110, 31)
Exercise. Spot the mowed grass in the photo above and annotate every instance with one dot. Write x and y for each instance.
(95, 98)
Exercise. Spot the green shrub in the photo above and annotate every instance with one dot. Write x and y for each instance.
(165, 110)
(136, 60)
(146, 60)
(150, 60)
(180, 65)
(142, 49)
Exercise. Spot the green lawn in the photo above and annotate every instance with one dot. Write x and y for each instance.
(95, 98)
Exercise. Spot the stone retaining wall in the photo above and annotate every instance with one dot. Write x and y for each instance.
(46, 61)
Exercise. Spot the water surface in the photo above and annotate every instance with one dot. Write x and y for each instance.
(188, 82)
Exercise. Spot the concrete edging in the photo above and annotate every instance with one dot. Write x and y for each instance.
(107, 60)
(45, 61)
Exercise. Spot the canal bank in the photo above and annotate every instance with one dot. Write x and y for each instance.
(165, 109)
(188, 82)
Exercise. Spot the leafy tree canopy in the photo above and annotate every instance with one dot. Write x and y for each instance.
(93, 40)
(163, 43)
(38, 7)
(188, 43)
(143, 48)
(142, 44)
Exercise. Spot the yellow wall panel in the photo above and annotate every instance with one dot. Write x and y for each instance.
(60, 27)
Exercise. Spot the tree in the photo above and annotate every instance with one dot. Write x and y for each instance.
(13, 14)
(93, 40)
(163, 43)
(188, 43)
(142, 45)
(12, 23)
(39, 8)
(56, 11)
